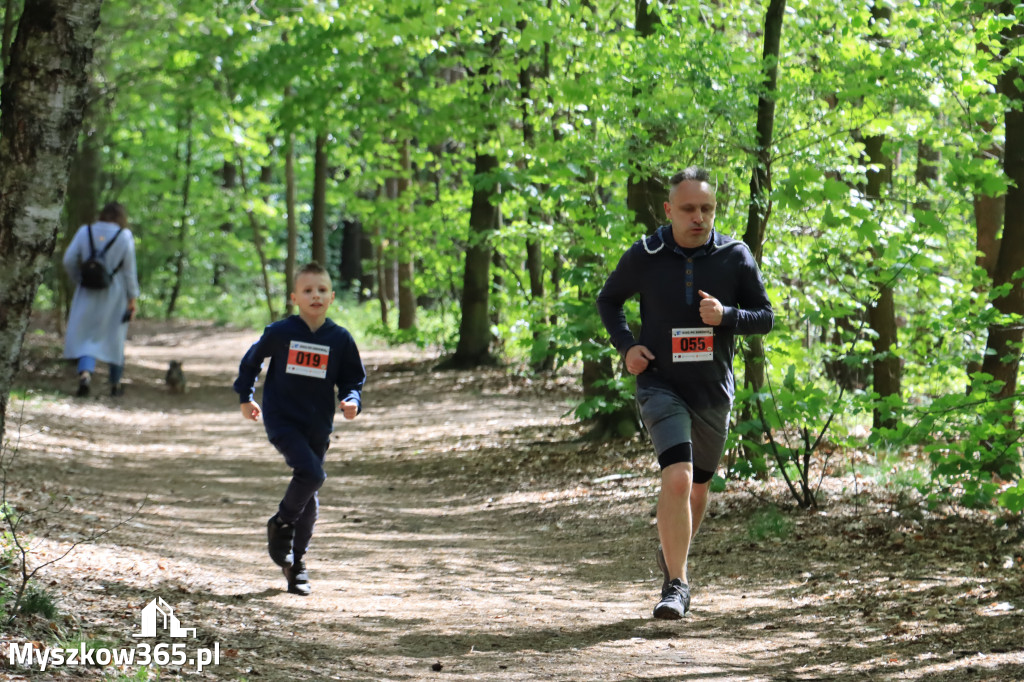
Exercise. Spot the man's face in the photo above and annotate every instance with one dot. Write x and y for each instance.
(691, 210)
(313, 294)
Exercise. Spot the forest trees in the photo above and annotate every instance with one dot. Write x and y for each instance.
(468, 153)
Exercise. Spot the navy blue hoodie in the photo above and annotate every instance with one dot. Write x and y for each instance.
(305, 367)
(667, 280)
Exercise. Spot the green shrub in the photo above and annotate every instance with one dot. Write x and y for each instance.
(769, 523)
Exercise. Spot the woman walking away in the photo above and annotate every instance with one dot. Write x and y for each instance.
(101, 262)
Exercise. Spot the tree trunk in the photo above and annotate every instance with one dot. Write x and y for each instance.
(473, 348)
(645, 194)
(543, 355)
(179, 258)
(1002, 356)
(988, 220)
(886, 369)
(760, 207)
(367, 278)
(406, 294)
(381, 271)
(406, 271)
(82, 205)
(292, 220)
(319, 217)
(41, 110)
(351, 256)
(8, 33)
(257, 239)
(761, 176)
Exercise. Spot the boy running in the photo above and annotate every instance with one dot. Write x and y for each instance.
(309, 355)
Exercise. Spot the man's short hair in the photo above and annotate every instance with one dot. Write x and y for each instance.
(692, 173)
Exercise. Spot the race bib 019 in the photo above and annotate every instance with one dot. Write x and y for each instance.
(308, 359)
(696, 344)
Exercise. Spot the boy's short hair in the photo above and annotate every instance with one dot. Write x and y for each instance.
(311, 268)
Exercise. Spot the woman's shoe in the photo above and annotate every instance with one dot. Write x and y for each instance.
(84, 379)
(117, 390)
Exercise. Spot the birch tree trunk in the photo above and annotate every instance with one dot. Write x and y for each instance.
(42, 104)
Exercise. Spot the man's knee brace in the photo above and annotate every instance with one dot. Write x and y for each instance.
(676, 455)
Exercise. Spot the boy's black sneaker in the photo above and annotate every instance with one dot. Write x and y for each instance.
(298, 579)
(675, 601)
(83, 385)
(279, 541)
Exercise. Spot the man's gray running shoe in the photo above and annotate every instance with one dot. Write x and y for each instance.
(675, 601)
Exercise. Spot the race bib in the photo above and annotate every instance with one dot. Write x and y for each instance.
(308, 359)
(696, 344)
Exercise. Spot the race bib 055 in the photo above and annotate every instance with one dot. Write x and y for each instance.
(696, 344)
(308, 359)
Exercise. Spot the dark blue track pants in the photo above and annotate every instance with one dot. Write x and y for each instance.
(300, 504)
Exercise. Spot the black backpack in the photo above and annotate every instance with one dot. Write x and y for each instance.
(94, 271)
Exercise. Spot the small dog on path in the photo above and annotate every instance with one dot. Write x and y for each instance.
(175, 378)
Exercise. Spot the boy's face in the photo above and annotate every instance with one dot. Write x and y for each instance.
(312, 294)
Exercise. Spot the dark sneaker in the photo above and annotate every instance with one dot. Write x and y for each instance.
(83, 386)
(117, 390)
(675, 601)
(279, 541)
(298, 579)
(664, 569)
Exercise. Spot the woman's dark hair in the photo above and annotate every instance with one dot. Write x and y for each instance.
(114, 213)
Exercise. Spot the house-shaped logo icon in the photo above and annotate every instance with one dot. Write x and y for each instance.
(159, 614)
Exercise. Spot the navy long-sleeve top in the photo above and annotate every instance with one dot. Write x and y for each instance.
(690, 357)
(305, 369)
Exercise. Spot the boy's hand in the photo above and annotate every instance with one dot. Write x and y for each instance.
(350, 410)
(251, 411)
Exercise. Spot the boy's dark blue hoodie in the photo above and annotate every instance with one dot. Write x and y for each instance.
(305, 368)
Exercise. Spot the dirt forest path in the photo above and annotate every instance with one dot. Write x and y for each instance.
(468, 532)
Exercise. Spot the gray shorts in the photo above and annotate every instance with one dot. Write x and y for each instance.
(670, 421)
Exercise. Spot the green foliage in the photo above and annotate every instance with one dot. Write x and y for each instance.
(769, 523)
(39, 602)
(143, 674)
(1012, 499)
(195, 104)
(435, 328)
(8, 566)
(973, 443)
(896, 471)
